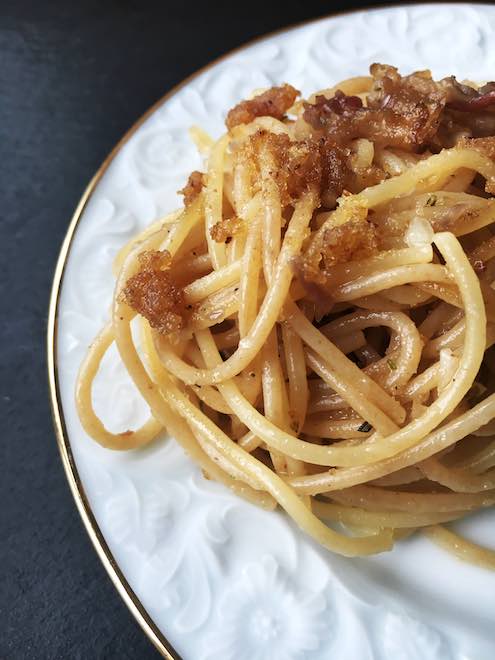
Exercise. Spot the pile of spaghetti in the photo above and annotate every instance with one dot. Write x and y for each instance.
(316, 325)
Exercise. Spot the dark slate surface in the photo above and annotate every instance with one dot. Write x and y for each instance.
(73, 77)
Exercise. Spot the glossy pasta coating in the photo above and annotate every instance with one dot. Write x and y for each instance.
(318, 322)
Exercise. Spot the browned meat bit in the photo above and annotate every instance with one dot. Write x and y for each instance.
(193, 187)
(468, 111)
(466, 98)
(413, 104)
(153, 294)
(223, 230)
(319, 113)
(401, 112)
(351, 241)
(273, 103)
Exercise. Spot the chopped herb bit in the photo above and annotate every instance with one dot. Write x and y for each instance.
(392, 364)
(431, 201)
(365, 427)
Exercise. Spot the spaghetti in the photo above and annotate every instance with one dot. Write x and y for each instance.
(317, 324)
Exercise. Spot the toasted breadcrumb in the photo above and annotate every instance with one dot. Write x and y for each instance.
(193, 187)
(152, 293)
(223, 230)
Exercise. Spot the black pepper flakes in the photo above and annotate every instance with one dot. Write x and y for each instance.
(365, 427)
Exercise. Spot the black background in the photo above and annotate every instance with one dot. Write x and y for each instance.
(74, 76)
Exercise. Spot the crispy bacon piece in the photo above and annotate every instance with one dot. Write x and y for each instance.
(193, 187)
(465, 98)
(273, 103)
(413, 104)
(224, 229)
(401, 111)
(318, 113)
(153, 294)
(468, 111)
(479, 103)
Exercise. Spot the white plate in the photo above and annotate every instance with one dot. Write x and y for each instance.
(219, 578)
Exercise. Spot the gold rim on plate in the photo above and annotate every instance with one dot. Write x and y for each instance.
(95, 534)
